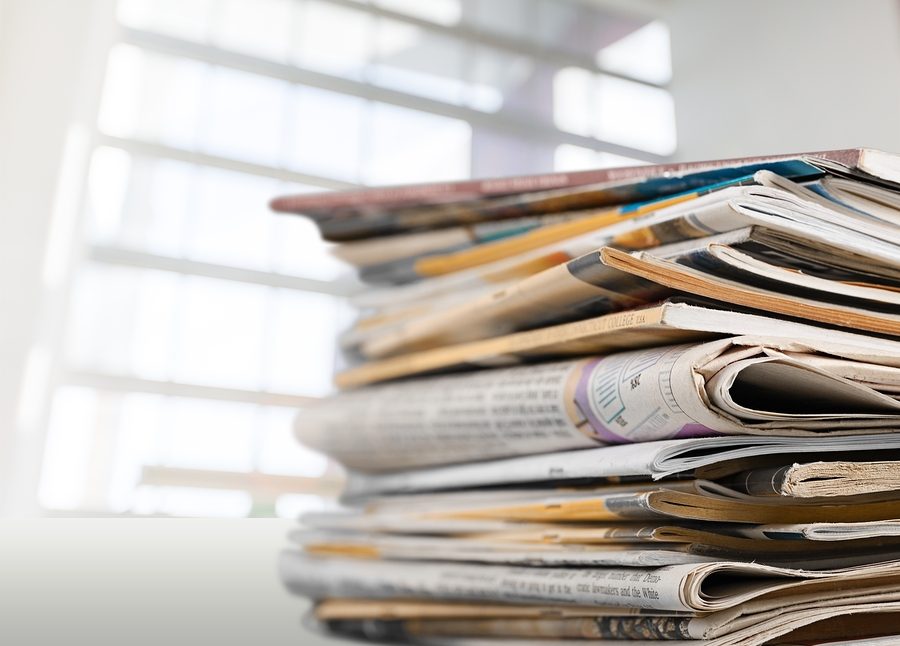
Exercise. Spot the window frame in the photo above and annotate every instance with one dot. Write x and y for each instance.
(508, 124)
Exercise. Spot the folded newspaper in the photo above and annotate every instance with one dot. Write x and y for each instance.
(824, 253)
(738, 385)
(707, 457)
(692, 587)
(633, 405)
(675, 320)
(806, 620)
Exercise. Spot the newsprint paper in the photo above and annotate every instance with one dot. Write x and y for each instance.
(741, 385)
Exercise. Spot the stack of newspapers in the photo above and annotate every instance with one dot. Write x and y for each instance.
(648, 403)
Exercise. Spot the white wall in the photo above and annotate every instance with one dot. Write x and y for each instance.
(776, 76)
(46, 84)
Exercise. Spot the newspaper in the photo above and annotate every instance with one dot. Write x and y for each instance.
(692, 473)
(869, 198)
(704, 214)
(379, 251)
(404, 548)
(568, 291)
(820, 479)
(378, 211)
(453, 641)
(828, 247)
(757, 540)
(586, 286)
(554, 295)
(873, 613)
(421, 622)
(828, 532)
(330, 609)
(709, 284)
(501, 548)
(462, 259)
(484, 242)
(587, 222)
(874, 641)
(731, 386)
(696, 500)
(652, 460)
(676, 320)
(711, 211)
(775, 203)
(697, 587)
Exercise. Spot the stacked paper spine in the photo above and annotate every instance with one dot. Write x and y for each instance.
(654, 403)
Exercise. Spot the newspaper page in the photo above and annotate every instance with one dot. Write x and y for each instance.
(819, 479)
(419, 609)
(694, 500)
(673, 321)
(812, 306)
(585, 286)
(768, 616)
(795, 622)
(659, 588)
(408, 246)
(827, 532)
(702, 215)
(404, 548)
(377, 201)
(729, 386)
(703, 587)
(777, 204)
(554, 295)
(501, 549)
(653, 460)
(591, 220)
(341, 221)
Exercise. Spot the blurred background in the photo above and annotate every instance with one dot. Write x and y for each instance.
(160, 327)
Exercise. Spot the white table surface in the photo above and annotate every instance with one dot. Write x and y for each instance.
(133, 582)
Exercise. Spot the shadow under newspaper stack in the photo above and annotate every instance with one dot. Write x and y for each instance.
(648, 403)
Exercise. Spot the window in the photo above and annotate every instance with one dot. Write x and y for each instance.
(198, 322)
